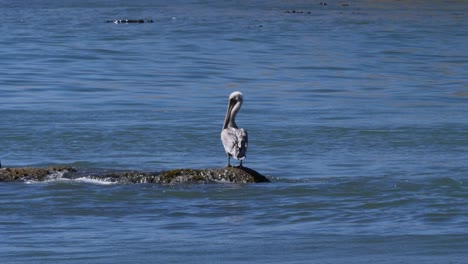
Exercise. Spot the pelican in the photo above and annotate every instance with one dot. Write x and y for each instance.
(234, 139)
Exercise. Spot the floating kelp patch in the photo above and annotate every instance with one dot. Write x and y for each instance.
(296, 12)
(217, 175)
(129, 21)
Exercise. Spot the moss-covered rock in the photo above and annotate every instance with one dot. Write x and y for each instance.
(36, 174)
(228, 174)
(217, 175)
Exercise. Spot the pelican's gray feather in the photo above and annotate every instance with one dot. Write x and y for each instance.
(235, 141)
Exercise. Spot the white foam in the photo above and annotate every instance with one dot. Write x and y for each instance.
(94, 181)
(57, 176)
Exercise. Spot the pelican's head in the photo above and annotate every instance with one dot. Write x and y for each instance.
(236, 96)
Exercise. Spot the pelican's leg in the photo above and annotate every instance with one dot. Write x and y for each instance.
(240, 164)
(229, 160)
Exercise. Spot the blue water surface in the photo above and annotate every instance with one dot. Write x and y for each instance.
(356, 111)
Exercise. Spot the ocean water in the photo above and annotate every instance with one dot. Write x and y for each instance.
(357, 113)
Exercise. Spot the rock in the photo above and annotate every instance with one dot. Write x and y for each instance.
(27, 174)
(221, 175)
(217, 175)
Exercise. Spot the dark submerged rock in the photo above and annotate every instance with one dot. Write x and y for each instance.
(217, 175)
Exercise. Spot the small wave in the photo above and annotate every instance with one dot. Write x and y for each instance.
(94, 181)
(85, 180)
(58, 176)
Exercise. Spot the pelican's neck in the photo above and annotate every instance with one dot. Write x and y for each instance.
(233, 108)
